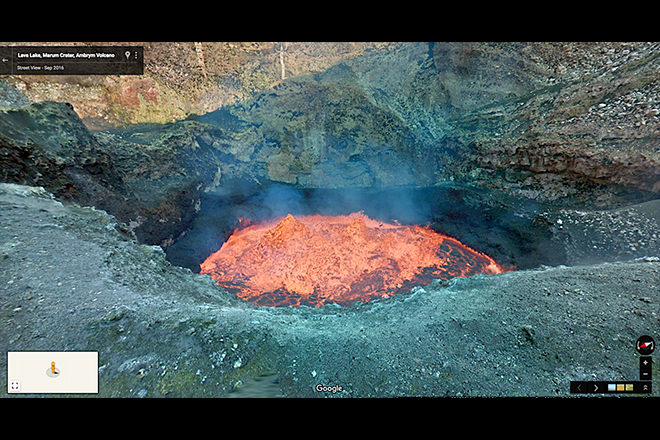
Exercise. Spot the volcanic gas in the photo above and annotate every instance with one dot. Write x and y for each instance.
(315, 259)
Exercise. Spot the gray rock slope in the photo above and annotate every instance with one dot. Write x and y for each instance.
(70, 279)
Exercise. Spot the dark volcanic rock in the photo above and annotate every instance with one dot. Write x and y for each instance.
(553, 152)
(590, 113)
(539, 120)
(330, 135)
(151, 189)
(69, 281)
(423, 113)
(46, 144)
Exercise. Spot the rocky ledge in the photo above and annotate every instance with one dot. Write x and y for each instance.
(164, 331)
(569, 127)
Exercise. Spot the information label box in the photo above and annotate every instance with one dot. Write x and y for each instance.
(53, 372)
(71, 60)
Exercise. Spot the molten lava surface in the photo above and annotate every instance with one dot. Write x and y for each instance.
(316, 259)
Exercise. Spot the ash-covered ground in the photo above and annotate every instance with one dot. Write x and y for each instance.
(71, 278)
(541, 155)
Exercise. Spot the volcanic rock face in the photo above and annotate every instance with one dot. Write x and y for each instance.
(71, 282)
(319, 259)
(149, 177)
(546, 122)
(590, 113)
(510, 116)
(180, 79)
(465, 112)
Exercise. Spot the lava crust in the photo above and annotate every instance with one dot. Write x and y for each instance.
(313, 260)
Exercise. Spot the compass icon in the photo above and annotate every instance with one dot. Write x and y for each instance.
(645, 345)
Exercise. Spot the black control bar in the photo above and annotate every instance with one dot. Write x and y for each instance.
(71, 60)
(611, 387)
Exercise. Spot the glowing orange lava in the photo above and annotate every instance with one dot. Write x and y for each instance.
(316, 259)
